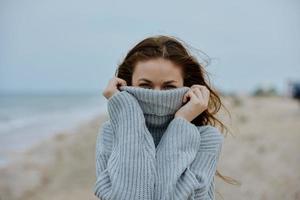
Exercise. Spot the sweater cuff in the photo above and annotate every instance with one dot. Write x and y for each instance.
(123, 105)
(185, 124)
(121, 99)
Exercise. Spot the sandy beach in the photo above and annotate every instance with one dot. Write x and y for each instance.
(60, 168)
(262, 153)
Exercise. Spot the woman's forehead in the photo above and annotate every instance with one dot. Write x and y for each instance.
(157, 70)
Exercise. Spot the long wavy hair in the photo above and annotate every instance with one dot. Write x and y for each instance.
(175, 50)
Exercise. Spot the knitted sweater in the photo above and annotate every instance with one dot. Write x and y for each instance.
(144, 152)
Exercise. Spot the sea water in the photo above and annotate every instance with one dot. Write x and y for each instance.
(27, 119)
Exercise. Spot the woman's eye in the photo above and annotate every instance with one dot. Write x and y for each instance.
(144, 85)
(170, 87)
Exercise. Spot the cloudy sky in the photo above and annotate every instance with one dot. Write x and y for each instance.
(71, 45)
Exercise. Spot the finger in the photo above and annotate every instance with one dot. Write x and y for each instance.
(193, 95)
(199, 86)
(198, 93)
(120, 82)
(186, 96)
(205, 92)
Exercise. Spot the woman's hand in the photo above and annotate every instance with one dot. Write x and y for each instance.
(198, 102)
(112, 87)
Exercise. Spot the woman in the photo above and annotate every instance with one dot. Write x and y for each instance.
(160, 141)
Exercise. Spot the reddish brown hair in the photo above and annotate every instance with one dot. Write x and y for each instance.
(171, 48)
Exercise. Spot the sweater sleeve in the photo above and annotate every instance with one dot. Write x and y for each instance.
(128, 171)
(186, 160)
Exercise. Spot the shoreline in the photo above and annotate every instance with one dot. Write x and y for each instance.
(13, 145)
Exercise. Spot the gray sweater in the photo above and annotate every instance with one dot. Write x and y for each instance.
(144, 152)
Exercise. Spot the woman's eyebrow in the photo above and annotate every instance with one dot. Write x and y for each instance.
(146, 80)
(171, 81)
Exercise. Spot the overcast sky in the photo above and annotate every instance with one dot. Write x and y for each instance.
(70, 45)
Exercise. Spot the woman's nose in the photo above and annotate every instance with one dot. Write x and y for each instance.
(157, 87)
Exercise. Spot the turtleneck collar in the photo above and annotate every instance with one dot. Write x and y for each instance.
(159, 106)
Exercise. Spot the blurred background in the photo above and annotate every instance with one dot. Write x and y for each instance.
(57, 56)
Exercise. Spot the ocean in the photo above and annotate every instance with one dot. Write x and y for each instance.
(27, 119)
